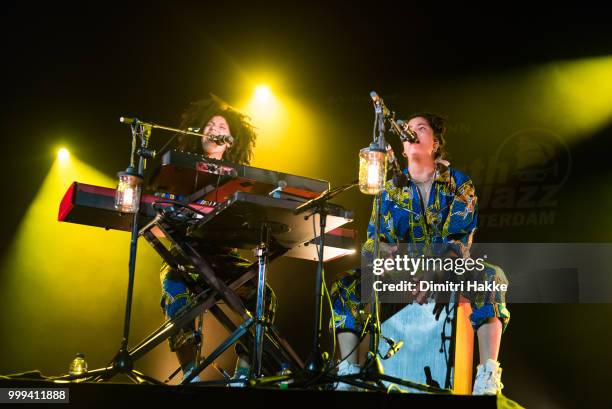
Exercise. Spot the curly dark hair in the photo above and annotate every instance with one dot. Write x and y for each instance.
(438, 124)
(200, 112)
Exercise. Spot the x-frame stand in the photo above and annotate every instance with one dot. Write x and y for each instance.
(265, 337)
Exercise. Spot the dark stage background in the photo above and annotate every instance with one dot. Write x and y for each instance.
(521, 89)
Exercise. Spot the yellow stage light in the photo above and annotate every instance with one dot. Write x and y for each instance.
(262, 93)
(63, 155)
(285, 127)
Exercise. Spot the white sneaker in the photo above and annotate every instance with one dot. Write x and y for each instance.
(347, 368)
(488, 379)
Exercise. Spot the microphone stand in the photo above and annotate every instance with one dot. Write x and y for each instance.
(315, 364)
(372, 368)
(123, 363)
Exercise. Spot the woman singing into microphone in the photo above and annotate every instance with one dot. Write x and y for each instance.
(434, 205)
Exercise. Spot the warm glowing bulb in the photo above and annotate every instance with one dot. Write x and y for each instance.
(262, 93)
(128, 197)
(63, 154)
(373, 172)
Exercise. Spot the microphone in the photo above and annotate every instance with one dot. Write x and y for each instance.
(411, 136)
(218, 139)
(221, 139)
(393, 347)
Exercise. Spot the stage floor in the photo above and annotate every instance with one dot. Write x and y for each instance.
(113, 394)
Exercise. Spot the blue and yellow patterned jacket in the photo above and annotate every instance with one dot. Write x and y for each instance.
(448, 220)
(447, 223)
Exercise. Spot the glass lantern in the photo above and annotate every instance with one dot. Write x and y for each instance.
(127, 197)
(372, 170)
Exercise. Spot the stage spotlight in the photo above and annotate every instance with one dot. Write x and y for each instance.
(63, 155)
(262, 93)
(284, 125)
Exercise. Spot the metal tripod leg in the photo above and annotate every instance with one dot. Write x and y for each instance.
(239, 332)
(262, 259)
(275, 346)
